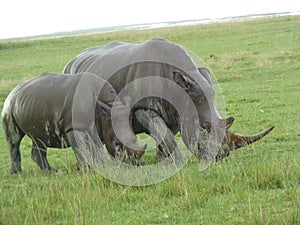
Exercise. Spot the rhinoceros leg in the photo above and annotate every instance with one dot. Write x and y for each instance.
(75, 147)
(39, 155)
(157, 128)
(87, 148)
(14, 137)
(15, 154)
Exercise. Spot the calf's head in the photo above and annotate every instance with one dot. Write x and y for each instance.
(115, 127)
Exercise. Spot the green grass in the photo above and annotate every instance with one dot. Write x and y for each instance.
(257, 64)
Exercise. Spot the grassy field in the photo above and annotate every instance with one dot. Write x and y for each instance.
(257, 64)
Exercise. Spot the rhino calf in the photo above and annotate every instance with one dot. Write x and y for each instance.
(60, 111)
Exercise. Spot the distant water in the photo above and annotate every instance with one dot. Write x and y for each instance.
(155, 25)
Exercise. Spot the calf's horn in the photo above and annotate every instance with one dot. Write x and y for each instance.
(138, 150)
(235, 141)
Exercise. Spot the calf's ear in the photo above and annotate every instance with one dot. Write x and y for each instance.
(103, 107)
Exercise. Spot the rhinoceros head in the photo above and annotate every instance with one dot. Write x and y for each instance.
(215, 139)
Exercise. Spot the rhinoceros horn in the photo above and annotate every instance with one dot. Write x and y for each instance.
(235, 141)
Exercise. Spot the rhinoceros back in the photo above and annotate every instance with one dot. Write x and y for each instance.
(108, 59)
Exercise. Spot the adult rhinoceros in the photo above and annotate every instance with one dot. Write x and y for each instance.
(147, 71)
(57, 110)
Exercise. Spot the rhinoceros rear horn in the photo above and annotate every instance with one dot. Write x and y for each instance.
(236, 141)
(226, 123)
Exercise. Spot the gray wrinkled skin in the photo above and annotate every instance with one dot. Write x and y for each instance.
(123, 63)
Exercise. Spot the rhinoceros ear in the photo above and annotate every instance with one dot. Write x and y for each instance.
(181, 80)
(206, 74)
(191, 87)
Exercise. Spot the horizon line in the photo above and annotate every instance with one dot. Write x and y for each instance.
(154, 25)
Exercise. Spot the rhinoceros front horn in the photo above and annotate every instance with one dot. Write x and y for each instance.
(235, 141)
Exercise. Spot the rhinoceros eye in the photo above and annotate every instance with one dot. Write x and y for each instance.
(206, 126)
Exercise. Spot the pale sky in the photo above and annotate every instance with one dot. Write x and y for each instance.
(33, 17)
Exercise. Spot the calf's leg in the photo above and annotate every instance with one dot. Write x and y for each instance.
(87, 148)
(75, 147)
(15, 155)
(13, 137)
